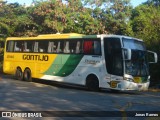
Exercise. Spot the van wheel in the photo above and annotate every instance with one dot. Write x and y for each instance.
(19, 74)
(92, 83)
(27, 75)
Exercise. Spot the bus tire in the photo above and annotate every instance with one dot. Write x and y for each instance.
(92, 83)
(19, 74)
(27, 75)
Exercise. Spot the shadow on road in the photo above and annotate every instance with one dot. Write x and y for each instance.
(80, 87)
(76, 87)
(42, 95)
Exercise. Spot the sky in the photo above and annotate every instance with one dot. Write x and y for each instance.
(28, 2)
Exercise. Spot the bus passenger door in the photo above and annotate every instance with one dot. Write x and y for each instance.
(113, 58)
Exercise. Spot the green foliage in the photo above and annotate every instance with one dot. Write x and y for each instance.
(114, 15)
(146, 25)
(15, 20)
(66, 16)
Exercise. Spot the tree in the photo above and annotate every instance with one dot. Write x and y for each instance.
(4, 27)
(15, 20)
(49, 16)
(153, 2)
(146, 25)
(81, 19)
(115, 15)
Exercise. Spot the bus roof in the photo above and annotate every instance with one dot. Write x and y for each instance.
(49, 36)
(68, 35)
(58, 34)
(120, 36)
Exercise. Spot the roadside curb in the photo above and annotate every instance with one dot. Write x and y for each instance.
(154, 90)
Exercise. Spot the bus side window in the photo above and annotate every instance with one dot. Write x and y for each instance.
(97, 47)
(58, 50)
(92, 47)
(17, 47)
(66, 47)
(35, 46)
(51, 47)
(60, 47)
(55, 47)
(10, 46)
(43, 46)
(75, 46)
(78, 47)
(28, 46)
(25, 47)
(88, 47)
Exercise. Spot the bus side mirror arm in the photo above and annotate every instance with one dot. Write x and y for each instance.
(155, 56)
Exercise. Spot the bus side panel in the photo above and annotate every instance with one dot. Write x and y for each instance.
(42, 66)
(62, 67)
(11, 62)
(35, 62)
(75, 69)
(91, 64)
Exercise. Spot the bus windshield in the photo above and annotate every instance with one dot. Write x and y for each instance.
(138, 65)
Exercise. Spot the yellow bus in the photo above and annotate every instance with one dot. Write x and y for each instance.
(95, 61)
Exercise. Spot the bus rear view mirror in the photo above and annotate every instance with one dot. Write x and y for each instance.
(152, 57)
(127, 53)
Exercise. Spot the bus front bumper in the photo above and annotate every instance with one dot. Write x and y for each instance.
(127, 85)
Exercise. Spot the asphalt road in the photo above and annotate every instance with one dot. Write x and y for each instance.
(34, 96)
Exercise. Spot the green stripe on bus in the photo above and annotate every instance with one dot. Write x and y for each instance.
(64, 65)
(55, 67)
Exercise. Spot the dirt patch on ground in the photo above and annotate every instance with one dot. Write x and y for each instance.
(154, 90)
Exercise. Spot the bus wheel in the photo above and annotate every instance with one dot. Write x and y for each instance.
(92, 83)
(19, 74)
(27, 75)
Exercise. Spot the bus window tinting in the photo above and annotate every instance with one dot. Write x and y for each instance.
(10, 46)
(113, 56)
(90, 47)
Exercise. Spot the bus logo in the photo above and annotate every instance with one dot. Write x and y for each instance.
(113, 84)
(36, 57)
(6, 114)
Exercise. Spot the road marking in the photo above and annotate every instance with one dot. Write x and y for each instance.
(123, 108)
